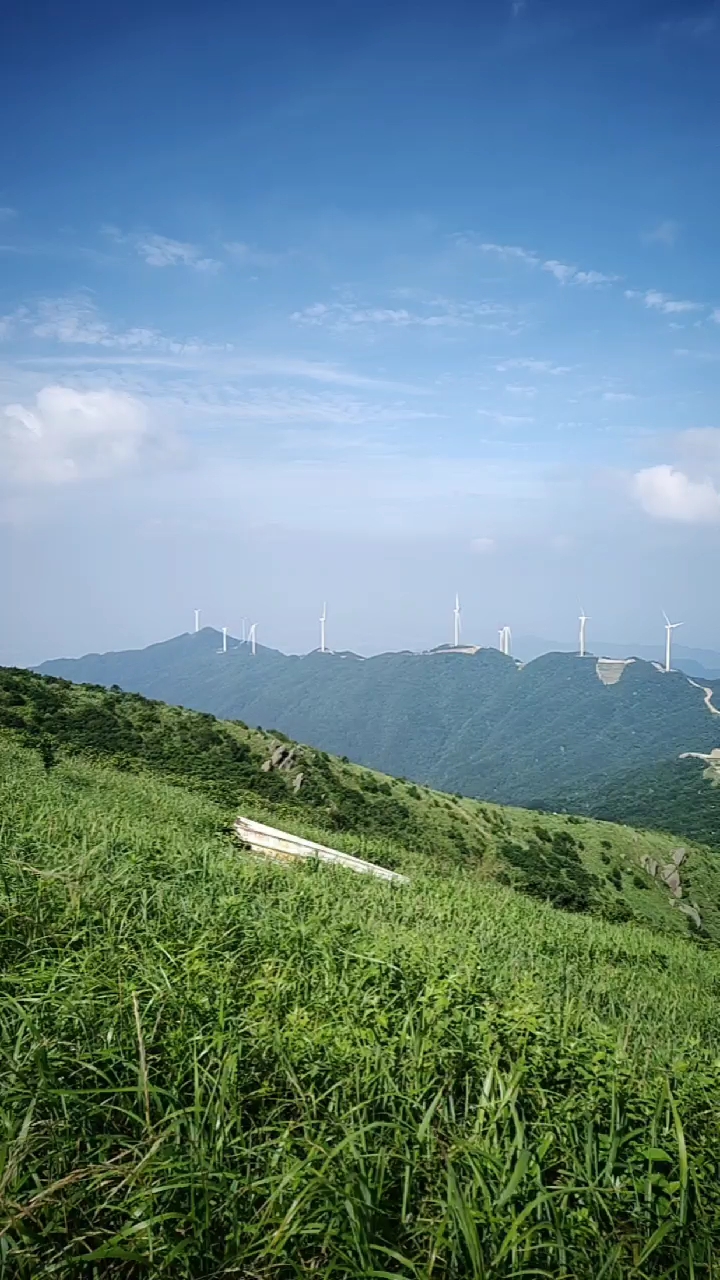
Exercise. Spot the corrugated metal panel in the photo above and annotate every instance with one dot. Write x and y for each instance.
(282, 845)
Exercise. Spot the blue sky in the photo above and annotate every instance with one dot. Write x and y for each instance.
(366, 302)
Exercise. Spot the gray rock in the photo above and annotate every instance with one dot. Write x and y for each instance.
(282, 757)
(691, 911)
(679, 856)
(671, 876)
(297, 783)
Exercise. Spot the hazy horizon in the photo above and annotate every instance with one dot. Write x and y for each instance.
(366, 304)
(525, 647)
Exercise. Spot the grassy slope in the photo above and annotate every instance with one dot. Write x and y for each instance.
(362, 811)
(214, 1066)
(475, 724)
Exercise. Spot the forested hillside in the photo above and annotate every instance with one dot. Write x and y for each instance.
(474, 723)
(675, 795)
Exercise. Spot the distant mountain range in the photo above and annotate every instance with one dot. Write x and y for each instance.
(695, 662)
(547, 734)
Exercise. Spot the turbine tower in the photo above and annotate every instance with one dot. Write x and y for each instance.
(506, 641)
(224, 634)
(583, 620)
(456, 617)
(251, 638)
(197, 621)
(669, 628)
(323, 620)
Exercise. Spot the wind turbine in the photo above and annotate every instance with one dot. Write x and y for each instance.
(197, 621)
(224, 635)
(323, 620)
(456, 616)
(505, 641)
(669, 628)
(583, 619)
(251, 638)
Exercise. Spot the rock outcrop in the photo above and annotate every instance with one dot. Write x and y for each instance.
(669, 875)
(282, 757)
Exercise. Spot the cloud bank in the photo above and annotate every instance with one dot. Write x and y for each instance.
(70, 435)
(668, 494)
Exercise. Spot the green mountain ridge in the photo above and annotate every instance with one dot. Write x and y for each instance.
(214, 1065)
(475, 723)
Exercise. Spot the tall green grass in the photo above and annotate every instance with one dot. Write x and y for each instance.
(212, 1066)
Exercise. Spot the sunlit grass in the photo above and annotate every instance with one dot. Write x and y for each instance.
(213, 1066)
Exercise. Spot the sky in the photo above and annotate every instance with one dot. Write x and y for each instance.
(358, 302)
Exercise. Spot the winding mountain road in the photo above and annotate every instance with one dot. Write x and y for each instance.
(708, 696)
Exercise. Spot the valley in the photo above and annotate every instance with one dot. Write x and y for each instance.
(545, 735)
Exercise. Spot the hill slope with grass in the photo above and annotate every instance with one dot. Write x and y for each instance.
(572, 862)
(212, 1065)
(475, 723)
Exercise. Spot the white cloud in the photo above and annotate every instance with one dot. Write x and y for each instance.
(162, 251)
(482, 546)
(71, 435)
(669, 494)
(666, 232)
(526, 392)
(560, 270)
(619, 397)
(438, 313)
(711, 356)
(249, 255)
(76, 320)
(715, 315)
(6, 213)
(656, 301)
(509, 252)
(535, 366)
(504, 419)
(593, 277)
(563, 272)
(324, 408)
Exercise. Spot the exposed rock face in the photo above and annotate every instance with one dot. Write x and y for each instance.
(690, 909)
(297, 783)
(671, 876)
(610, 670)
(669, 873)
(282, 757)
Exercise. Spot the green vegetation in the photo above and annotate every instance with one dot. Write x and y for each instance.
(355, 808)
(471, 723)
(551, 868)
(213, 1066)
(674, 795)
